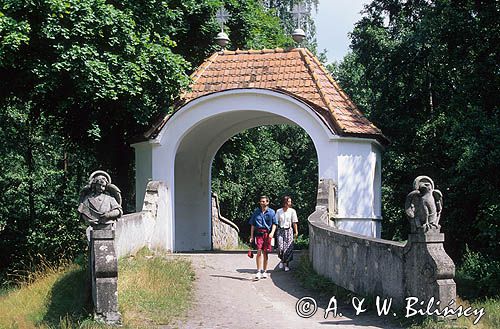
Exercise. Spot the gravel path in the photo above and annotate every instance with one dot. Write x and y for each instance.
(227, 296)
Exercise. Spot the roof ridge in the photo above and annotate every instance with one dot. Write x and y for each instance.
(203, 67)
(295, 71)
(342, 93)
(257, 51)
(325, 99)
(199, 71)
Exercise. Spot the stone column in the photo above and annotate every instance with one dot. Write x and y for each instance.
(104, 276)
(428, 270)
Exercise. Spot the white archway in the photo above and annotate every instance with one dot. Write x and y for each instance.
(182, 153)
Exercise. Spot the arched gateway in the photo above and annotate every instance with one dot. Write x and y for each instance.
(234, 91)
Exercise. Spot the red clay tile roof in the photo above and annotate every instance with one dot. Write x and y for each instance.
(296, 72)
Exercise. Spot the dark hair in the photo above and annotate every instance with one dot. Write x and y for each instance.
(264, 197)
(285, 199)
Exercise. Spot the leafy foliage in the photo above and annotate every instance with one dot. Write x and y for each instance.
(268, 160)
(283, 10)
(478, 275)
(426, 72)
(83, 78)
(252, 26)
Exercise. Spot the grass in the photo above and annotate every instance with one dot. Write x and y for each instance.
(4, 291)
(490, 320)
(151, 290)
(154, 290)
(325, 288)
(37, 302)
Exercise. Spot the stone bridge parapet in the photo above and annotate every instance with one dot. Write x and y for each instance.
(376, 267)
(142, 229)
(224, 231)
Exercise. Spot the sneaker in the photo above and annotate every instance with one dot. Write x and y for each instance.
(258, 275)
(281, 265)
(287, 269)
(264, 275)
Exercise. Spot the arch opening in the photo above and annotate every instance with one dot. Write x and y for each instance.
(272, 160)
(181, 155)
(193, 165)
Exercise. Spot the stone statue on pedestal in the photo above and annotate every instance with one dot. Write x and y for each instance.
(428, 270)
(100, 206)
(100, 201)
(423, 206)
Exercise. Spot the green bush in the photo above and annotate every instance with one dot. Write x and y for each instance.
(302, 242)
(478, 275)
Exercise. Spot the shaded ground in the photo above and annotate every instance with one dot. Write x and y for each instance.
(227, 296)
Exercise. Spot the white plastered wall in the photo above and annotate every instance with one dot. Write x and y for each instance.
(359, 192)
(182, 154)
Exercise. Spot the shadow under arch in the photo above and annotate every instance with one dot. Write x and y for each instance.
(272, 160)
(200, 141)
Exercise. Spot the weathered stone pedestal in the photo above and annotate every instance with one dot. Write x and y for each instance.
(428, 270)
(104, 276)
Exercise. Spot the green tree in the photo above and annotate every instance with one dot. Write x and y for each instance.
(83, 78)
(252, 26)
(269, 160)
(426, 72)
(283, 9)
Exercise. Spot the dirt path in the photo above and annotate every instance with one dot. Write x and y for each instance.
(227, 296)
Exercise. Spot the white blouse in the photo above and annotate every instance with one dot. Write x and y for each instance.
(286, 218)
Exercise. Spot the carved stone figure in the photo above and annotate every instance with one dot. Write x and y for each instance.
(423, 206)
(100, 201)
(100, 206)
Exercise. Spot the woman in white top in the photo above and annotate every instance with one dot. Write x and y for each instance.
(287, 231)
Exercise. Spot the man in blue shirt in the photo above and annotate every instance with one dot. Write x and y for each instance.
(263, 224)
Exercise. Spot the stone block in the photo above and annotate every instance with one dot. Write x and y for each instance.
(106, 304)
(224, 232)
(104, 276)
(102, 234)
(429, 271)
(105, 261)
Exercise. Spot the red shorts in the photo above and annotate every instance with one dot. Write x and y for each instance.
(263, 241)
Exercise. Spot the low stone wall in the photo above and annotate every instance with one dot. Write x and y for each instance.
(141, 229)
(133, 232)
(364, 265)
(224, 231)
(376, 267)
(137, 230)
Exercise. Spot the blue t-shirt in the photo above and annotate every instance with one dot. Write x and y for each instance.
(263, 220)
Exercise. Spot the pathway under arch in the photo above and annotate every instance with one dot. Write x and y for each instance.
(181, 155)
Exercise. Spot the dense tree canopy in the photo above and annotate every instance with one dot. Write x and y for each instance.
(79, 79)
(83, 76)
(268, 160)
(427, 73)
